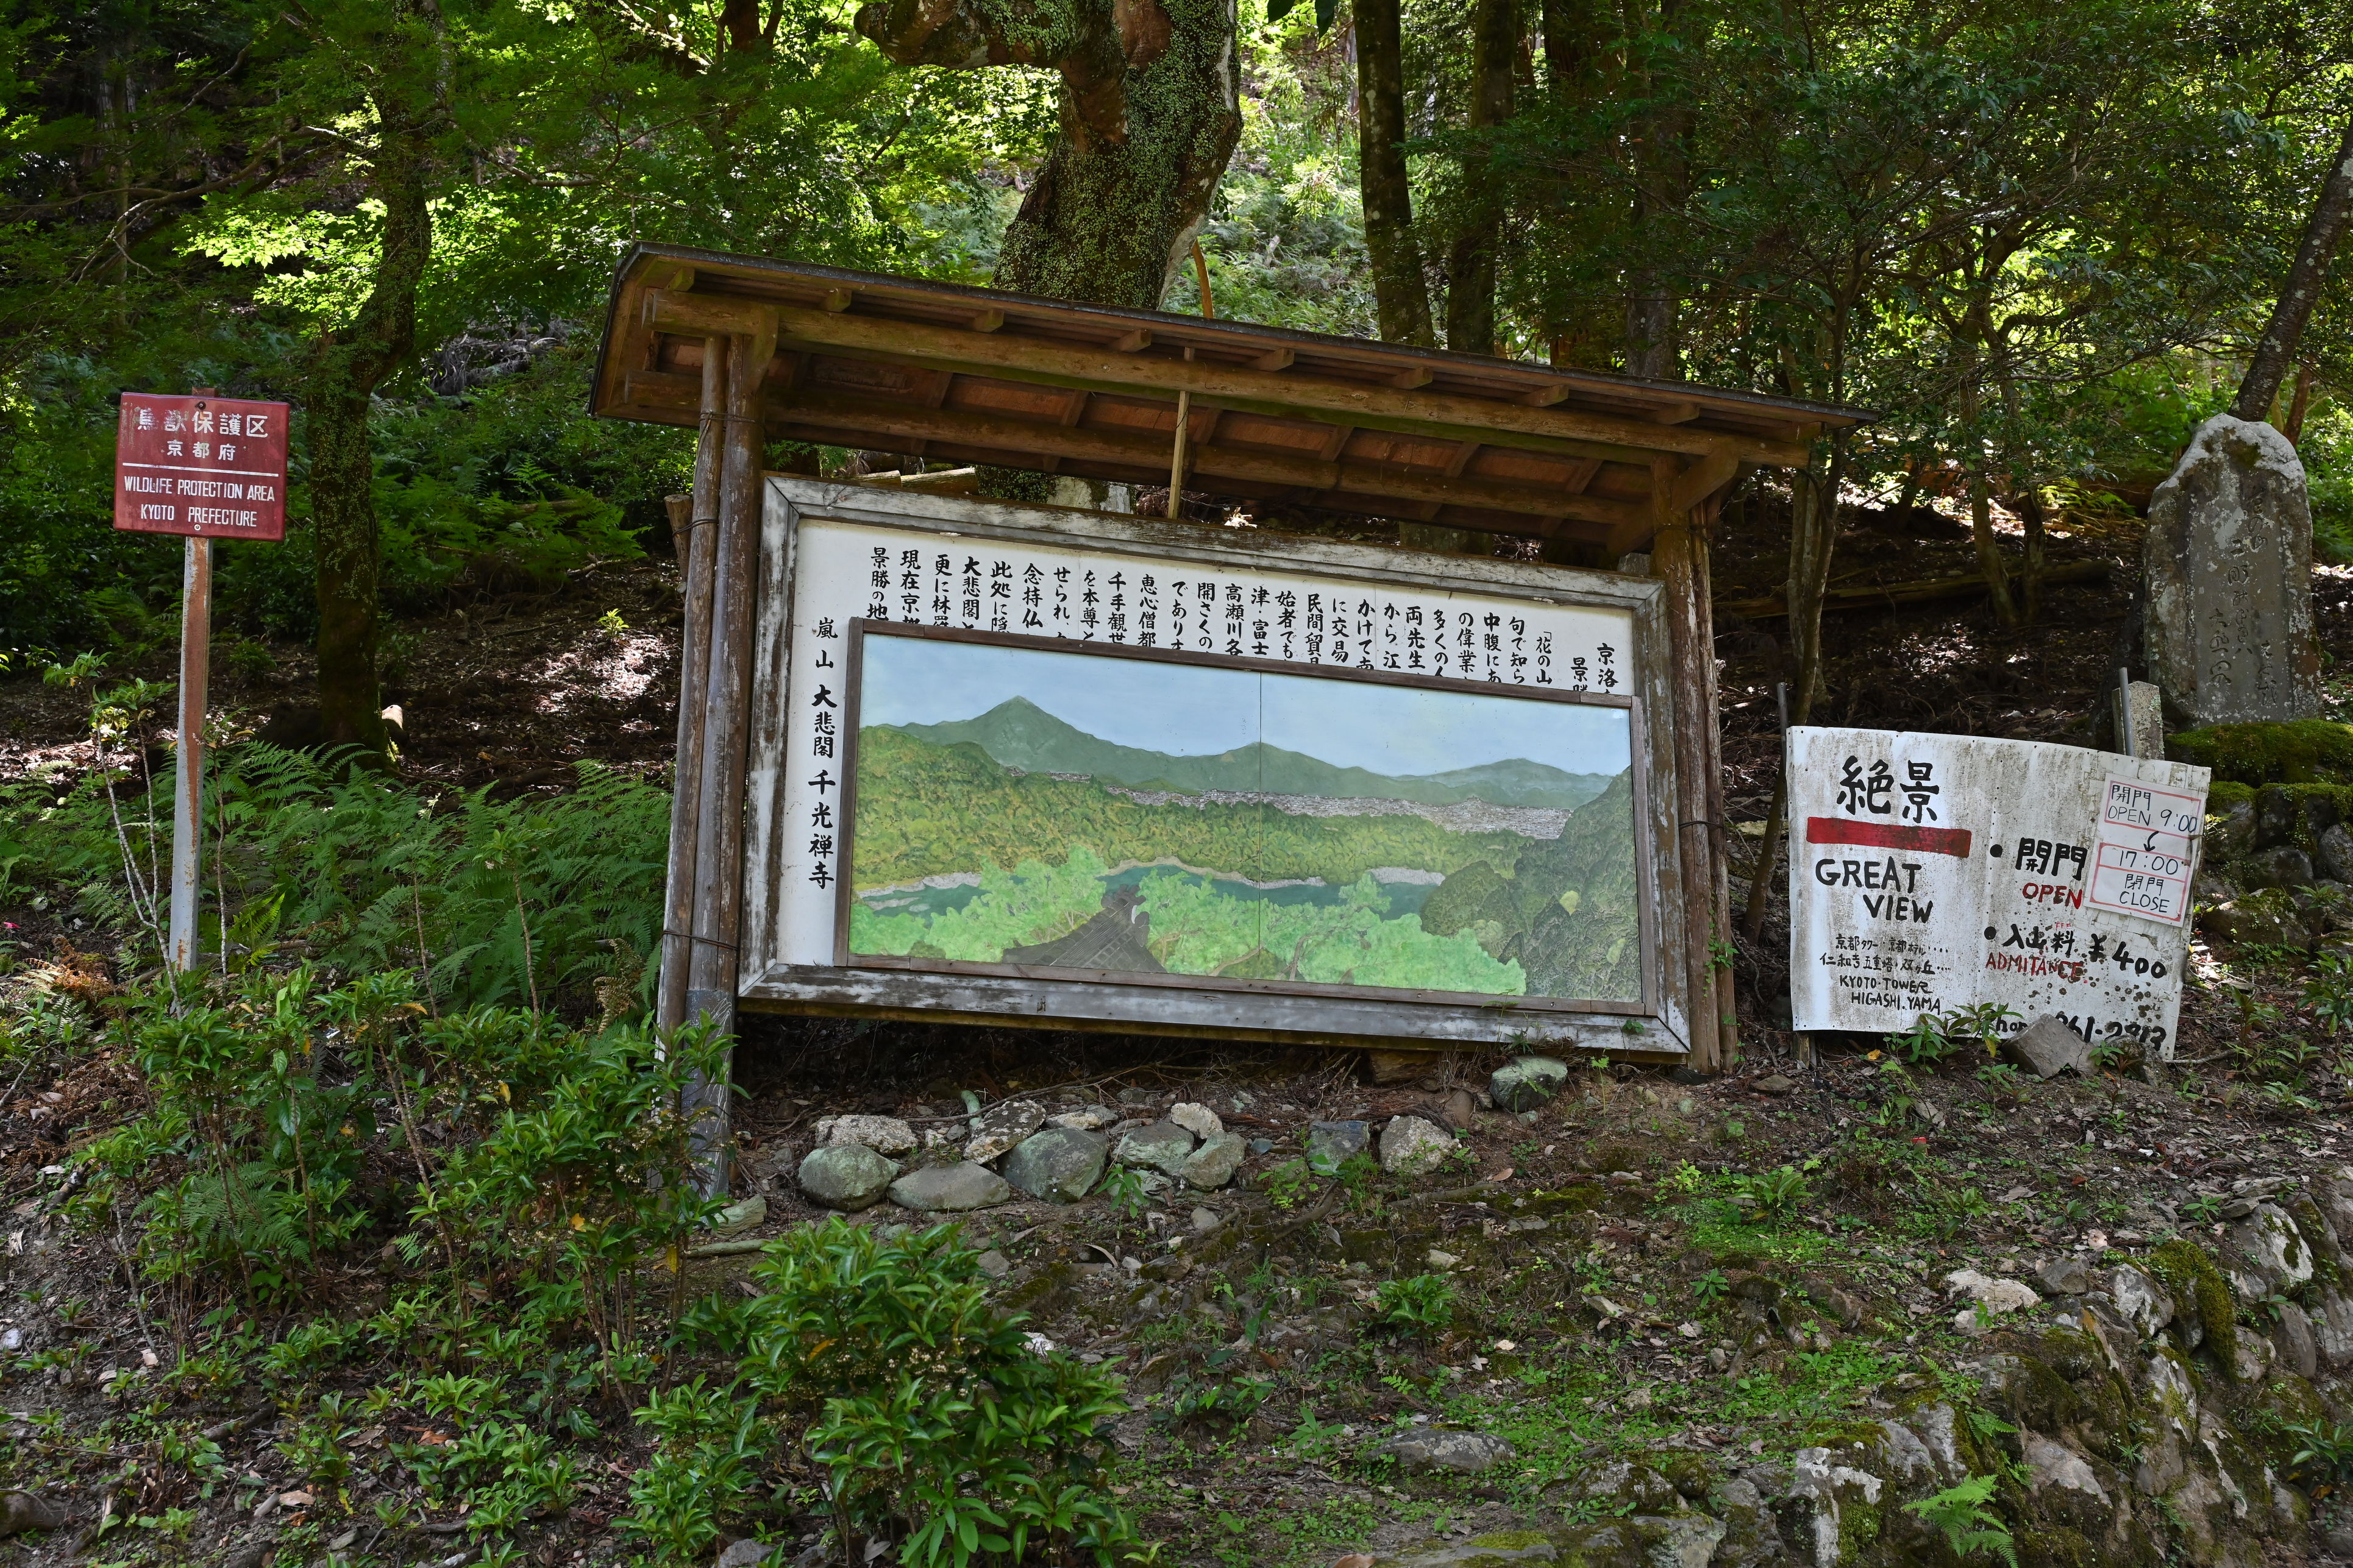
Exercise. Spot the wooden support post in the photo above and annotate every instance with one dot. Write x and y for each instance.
(1678, 558)
(711, 973)
(697, 537)
(1710, 727)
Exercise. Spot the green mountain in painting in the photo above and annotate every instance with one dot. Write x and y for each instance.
(1017, 734)
(1567, 910)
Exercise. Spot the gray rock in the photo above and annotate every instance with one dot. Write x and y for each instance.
(2233, 835)
(1000, 1127)
(846, 1176)
(2334, 1330)
(1213, 1165)
(2048, 1047)
(1058, 1165)
(1623, 1487)
(22, 1510)
(1751, 1537)
(1093, 1118)
(1198, 1120)
(2065, 1277)
(2281, 866)
(2298, 1346)
(1164, 1147)
(2275, 816)
(2335, 857)
(740, 1216)
(2256, 919)
(993, 1264)
(1206, 1220)
(2210, 888)
(1526, 1082)
(2226, 574)
(747, 1553)
(1643, 1541)
(2264, 1254)
(1261, 1145)
(1331, 1144)
(2142, 1301)
(1412, 1147)
(950, 1189)
(2050, 1464)
(1463, 1453)
(883, 1134)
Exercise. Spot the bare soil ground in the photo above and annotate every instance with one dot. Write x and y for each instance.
(1252, 1331)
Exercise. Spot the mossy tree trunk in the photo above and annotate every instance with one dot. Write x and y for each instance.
(1150, 114)
(351, 363)
(2332, 214)
(1400, 293)
(1471, 264)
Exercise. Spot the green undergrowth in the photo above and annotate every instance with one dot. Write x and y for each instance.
(533, 900)
(474, 1230)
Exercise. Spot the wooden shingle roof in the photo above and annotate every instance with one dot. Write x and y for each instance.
(973, 376)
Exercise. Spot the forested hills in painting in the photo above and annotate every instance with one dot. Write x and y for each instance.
(957, 857)
(1017, 734)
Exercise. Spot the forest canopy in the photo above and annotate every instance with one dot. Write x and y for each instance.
(2039, 238)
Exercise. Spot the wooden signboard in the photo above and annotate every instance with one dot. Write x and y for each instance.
(1032, 764)
(1932, 873)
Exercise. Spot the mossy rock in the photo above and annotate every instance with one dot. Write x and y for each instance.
(2224, 796)
(2294, 751)
(2200, 1294)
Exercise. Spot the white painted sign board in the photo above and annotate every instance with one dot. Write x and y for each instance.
(1934, 872)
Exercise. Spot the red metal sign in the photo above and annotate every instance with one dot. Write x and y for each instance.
(211, 467)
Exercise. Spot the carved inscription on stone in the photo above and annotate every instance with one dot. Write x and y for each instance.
(2227, 569)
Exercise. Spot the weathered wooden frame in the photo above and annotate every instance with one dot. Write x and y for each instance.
(1056, 999)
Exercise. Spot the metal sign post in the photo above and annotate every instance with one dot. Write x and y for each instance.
(207, 467)
(188, 771)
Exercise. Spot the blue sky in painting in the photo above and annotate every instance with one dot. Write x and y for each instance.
(1186, 710)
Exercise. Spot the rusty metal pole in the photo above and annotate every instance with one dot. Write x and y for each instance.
(698, 545)
(188, 771)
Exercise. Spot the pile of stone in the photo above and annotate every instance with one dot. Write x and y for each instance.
(1018, 1147)
(1015, 1146)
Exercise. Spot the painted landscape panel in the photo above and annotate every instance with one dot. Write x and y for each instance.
(1060, 810)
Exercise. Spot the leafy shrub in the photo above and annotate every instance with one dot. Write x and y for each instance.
(1960, 1513)
(583, 1185)
(711, 1445)
(1775, 1195)
(933, 1415)
(1420, 1303)
(265, 1123)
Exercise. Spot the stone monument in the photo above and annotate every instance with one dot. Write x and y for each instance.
(2226, 571)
